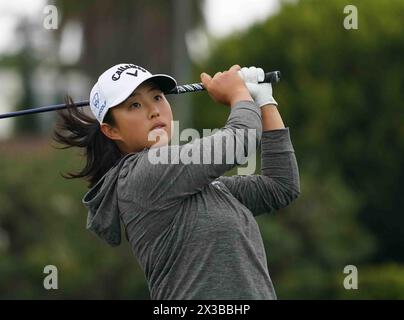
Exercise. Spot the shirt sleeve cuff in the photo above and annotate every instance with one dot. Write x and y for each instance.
(276, 141)
(247, 104)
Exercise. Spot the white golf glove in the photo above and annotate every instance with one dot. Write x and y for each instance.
(260, 92)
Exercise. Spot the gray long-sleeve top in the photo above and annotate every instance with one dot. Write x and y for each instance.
(191, 228)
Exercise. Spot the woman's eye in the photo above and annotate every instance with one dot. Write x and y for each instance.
(158, 97)
(135, 105)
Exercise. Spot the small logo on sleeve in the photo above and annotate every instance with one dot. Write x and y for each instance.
(216, 184)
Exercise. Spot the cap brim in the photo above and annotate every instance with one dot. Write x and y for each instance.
(165, 82)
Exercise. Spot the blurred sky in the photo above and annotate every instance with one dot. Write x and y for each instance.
(226, 16)
(10, 12)
(222, 16)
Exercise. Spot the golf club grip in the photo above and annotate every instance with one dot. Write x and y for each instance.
(270, 77)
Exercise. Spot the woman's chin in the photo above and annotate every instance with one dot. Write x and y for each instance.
(158, 138)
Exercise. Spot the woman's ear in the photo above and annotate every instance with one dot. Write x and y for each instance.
(110, 131)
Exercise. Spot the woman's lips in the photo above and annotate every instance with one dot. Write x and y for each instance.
(158, 127)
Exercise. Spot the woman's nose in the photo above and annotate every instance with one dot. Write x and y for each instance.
(154, 111)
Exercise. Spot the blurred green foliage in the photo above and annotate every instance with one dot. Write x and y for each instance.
(43, 223)
(385, 281)
(341, 95)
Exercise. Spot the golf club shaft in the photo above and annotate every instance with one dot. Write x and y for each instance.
(272, 77)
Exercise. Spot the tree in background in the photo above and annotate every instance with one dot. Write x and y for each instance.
(148, 33)
(151, 34)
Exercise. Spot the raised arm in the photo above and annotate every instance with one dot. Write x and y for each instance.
(279, 183)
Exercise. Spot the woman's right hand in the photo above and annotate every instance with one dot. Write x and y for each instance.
(226, 87)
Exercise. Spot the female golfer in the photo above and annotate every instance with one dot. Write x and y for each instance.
(191, 228)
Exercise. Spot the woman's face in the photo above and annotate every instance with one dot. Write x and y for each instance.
(136, 117)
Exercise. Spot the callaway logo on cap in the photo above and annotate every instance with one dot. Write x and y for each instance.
(117, 83)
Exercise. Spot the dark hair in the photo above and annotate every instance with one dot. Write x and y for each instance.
(75, 128)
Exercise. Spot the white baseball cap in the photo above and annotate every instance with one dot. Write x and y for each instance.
(117, 83)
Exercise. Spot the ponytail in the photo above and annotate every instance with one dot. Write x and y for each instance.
(75, 128)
